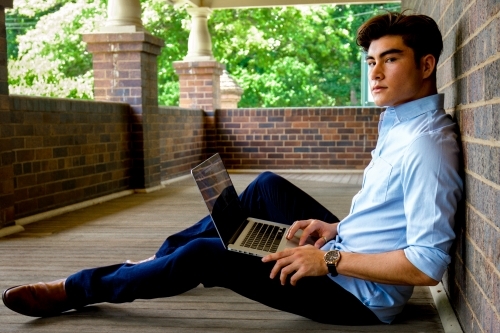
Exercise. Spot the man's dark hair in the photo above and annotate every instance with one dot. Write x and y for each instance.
(419, 32)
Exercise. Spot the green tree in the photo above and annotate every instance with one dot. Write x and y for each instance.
(50, 58)
(172, 25)
(293, 56)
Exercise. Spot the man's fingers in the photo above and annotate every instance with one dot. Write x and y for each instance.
(281, 265)
(297, 225)
(299, 274)
(282, 259)
(297, 263)
(320, 242)
(307, 232)
(314, 226)
(277, 255)
(285, 271)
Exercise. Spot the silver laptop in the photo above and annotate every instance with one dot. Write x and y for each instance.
(237, 231)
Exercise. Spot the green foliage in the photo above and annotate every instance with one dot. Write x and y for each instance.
(171, 25)
(51, 59)
(294, 56)
(267, 51)
(20, 20)
(303, 56)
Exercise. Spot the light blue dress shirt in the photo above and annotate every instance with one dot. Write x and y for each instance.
(407, 201)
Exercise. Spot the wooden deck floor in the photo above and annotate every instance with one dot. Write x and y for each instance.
(133, 227)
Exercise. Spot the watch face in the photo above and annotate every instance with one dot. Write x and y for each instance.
(331, 257)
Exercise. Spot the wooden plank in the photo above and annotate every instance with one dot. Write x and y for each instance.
(132, 228)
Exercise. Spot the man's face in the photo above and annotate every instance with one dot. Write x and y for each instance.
(393, 74)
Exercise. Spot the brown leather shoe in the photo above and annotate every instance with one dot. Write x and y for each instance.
(37, 300)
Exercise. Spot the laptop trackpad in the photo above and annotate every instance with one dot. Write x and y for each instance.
(294, 241)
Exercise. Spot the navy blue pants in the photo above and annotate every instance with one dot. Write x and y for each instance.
(196, 255)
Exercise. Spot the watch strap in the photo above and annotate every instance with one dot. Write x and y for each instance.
(332, 269)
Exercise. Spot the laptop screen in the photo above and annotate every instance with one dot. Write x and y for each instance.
(220, 197)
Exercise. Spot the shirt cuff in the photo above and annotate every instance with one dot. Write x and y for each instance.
(431, 261)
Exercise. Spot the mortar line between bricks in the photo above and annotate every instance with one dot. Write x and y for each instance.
(481, 215)
(489, 102)
(457, 284)
(482, 179)
(477, 32)
(472, 70)
(458, 20)
(434, 8)
(444, 12)
(481, 141)
(478, 249)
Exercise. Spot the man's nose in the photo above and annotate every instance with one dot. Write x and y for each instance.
(376, 73)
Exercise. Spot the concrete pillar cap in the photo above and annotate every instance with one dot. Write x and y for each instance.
(228, 85)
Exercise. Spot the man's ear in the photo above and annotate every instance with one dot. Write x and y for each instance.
(428, 64)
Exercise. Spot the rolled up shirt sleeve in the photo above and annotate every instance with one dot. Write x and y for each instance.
(432, 188)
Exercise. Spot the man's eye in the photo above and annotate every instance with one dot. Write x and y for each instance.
(390, 60)
(371, 63)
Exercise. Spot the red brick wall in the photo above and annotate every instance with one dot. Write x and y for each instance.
(182, 140)
(469, 74)
(67, 151)
(296, 138)
(6, 171)
(293, 138)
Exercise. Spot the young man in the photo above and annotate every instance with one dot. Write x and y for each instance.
(361, 270)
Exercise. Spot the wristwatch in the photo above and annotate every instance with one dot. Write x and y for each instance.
(332, 259)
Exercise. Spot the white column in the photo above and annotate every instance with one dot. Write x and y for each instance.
(199, 43)
(123, 16)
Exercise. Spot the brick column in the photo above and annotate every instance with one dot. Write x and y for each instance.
(199, 84)
(200, 89)
(126, 70)
(6, 133)
(199, 73)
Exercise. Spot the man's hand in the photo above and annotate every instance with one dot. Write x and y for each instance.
(300, 261)
(323, 231)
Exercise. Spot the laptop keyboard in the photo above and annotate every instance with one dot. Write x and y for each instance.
(264, 237)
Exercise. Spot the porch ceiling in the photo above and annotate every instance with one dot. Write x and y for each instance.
(220, 4)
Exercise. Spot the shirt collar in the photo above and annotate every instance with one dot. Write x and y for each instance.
(417, 107)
